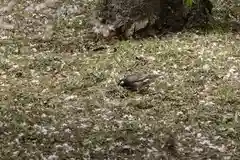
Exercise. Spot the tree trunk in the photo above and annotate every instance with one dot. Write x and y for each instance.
(126, 18)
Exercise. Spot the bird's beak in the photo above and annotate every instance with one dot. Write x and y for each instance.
(120, 83)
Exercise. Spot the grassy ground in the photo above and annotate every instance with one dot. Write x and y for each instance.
(60, 100)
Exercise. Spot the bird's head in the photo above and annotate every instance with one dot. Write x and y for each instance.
(121, 83)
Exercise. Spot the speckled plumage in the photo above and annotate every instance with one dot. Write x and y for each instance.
(136, 81)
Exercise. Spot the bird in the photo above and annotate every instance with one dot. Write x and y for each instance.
(137, 81)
